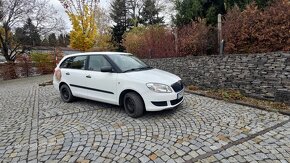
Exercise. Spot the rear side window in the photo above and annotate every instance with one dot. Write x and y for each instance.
(66, 63)
(96, 62)
(78, 62)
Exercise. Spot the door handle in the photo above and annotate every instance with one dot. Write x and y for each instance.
(88, 76)
(67, 73)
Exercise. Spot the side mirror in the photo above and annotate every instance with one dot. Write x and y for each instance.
(107, 69)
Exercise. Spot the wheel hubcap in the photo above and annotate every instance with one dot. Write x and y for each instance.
(65, 94)
(130, 105)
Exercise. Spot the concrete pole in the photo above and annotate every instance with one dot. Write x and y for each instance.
(175, 33)
(220, 33)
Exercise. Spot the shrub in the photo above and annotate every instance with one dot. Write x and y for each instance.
(156, 41)
(103, 43)
(41, 57)
(23, 65)
(134, 40)
(150, 41)
(7, 71)
(197, 38)
(255, 31)
(44, 62)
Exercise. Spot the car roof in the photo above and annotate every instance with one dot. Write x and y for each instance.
(97, 53)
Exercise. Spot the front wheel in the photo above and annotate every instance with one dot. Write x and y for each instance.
(133, 104)
(65, 93)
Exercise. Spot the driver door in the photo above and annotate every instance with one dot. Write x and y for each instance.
(102, 86)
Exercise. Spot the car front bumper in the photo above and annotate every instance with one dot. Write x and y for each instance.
(162, 101)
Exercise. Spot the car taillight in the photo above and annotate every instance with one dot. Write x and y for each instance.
(57, 73)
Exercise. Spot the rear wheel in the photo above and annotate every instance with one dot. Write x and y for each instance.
(65, 93)
(133, 104)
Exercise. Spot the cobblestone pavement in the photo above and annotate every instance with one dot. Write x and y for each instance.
(36, 126)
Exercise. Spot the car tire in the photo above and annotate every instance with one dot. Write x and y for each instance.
(65, 93)
(133, 104)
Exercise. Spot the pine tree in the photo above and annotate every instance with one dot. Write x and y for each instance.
(28, 34)
(66, 40)
(52, 41)
(150, 13)
(211, 9)
(61, 41)
(193, 10)
(118, 15)
(187, 11)
(45, 42)
(117, 36)
(19, 35)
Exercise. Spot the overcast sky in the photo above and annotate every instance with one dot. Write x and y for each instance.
(106, 5)
(103, 3)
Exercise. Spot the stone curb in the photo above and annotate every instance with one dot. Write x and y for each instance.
(242, 103)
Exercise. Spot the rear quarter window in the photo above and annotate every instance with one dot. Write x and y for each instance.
(77, 62)
(65, 63)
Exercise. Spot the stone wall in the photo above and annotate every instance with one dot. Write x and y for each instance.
(265, 76)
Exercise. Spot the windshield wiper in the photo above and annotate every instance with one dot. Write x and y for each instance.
(137, 69)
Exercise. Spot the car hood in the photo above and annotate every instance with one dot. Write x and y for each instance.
(154, 76)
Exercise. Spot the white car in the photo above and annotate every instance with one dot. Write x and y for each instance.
(117, 78)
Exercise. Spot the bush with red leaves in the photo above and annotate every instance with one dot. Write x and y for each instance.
(29, 65)
(197, 39)
(158, 42)
(256, 31)
(150, 42)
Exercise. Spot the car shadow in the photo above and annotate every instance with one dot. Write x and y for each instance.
(147, 114)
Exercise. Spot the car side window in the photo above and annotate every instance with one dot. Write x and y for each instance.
(78, 62)
(66, 63)
(96, 62)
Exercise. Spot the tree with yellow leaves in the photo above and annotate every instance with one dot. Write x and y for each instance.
(82, 15)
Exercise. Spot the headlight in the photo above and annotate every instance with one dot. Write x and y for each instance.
(159, 88)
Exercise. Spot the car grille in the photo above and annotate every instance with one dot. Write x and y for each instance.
(174, 102)
(178, 86)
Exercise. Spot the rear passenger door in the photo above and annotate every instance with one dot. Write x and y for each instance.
(72, 70)
(101, 85)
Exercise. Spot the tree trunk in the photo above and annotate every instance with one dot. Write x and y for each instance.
(4, 42)
(5, 52)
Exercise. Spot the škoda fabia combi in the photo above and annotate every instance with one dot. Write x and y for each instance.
(119, 79)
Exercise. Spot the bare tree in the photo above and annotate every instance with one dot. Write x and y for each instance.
(78, 6)
(1, 10)
(46, 19)
(103, 20)
(15, 13)
(134, 8)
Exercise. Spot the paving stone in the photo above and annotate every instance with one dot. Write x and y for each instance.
(180, 152)
(37, 126)
(144, 158)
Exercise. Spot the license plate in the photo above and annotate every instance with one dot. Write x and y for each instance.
(180, 94)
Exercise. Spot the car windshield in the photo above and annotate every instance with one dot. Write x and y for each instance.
(128, 62)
